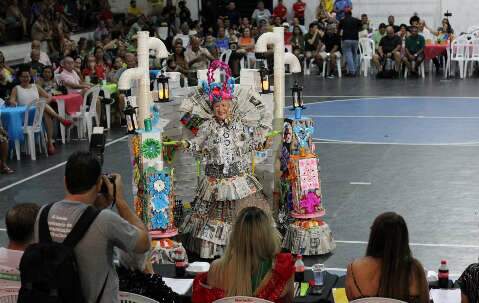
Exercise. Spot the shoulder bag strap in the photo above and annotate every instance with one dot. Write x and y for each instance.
(43, 229)
(81, 227)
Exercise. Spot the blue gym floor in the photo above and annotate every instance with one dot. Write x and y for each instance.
(380, 150)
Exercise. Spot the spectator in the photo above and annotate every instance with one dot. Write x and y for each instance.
(139, 25)
(445, 28)
(36, 67)
(296, 22)
(391, 21)
(379, 34)
(365, 24)
(77, 67)
(244, 24)
(260, 13)
(5, 69)
(42, 32)
(424, 31)
(414, 51)
(222, 42)
(101, 66)
(469, 284)
(70, 78)
(277, 22)
(312, 41)
(115, 72)
(47, 81)
(322, 13)
(389, 47)
(44, 59)
(27, 92)
(340, 8)
(4, 169)
(83, 181)
(246, 42)
(89, 72)
(183, 36)
(350, 27)
(252, 264)
(15, 19)
(298, 8)
(210, 44)
(280, 11)
(19, 221)
(184, 14)
(414, 21)
(388, 270)
(5, 87)
(134, 11)
(332, 49)
(403, 34)
(179, 57)
(297, 42)
(197, 58)
(232, 14)
(100, 31)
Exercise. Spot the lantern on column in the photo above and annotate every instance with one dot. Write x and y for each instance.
(163, 88)
(265, 84)
(298, 104)
(131, 120)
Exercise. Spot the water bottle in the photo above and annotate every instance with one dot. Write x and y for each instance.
(299, 269)
(443, 275)
(180, 263)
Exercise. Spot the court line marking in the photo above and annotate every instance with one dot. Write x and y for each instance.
(331, 141)
(392, 117)
(389, 97)
(51, 168)
(360, 183)
(418, 244)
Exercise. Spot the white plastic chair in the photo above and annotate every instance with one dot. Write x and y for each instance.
(473, 55)
(225, 56)
(338, 65)
(422, 73)
(459, 54)
(86, 114)
(127, 297)
(174, 80)
(377, 300)
(366, 52)
(35, 128)
(241, 299)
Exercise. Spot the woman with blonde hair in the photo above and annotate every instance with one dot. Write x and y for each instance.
(252, 264)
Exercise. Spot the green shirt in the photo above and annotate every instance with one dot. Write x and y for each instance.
(415, 44)
(377, 38)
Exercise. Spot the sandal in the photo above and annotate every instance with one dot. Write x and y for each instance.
(6, 170)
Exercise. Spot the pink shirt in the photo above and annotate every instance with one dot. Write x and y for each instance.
(70, 77)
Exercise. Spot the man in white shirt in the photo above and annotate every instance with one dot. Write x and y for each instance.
(44, 59)
(19, 221)
(70, 78)
(183, 36)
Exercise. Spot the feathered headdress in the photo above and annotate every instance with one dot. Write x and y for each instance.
(218, 91)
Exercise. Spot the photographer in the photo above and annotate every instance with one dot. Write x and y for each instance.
(94, 253)
(237, 54)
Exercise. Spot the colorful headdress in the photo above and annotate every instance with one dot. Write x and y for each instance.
(215, 90)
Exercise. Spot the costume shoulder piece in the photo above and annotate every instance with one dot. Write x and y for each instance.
(247, 106)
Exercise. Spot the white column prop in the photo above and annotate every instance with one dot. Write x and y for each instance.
(293, 62)
(142, 72)
(277, 39)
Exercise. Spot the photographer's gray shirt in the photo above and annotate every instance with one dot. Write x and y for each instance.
(94, 252)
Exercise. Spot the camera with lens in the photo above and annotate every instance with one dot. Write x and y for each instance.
(97, 148)
(447, 14)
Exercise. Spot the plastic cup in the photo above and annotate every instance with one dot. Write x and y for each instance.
(318, 273)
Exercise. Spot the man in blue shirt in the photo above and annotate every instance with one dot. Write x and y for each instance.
(222, 42)
(340, 7)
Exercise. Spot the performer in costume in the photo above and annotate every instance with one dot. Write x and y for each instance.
(229, 125)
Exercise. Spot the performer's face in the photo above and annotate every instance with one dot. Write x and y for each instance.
(222, 110)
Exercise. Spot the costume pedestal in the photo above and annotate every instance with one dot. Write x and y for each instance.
(164, 251)
(301, 205)
(152, 184)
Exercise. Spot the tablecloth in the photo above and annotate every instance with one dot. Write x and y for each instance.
(73, 102)
(12, 121)
(431, 51)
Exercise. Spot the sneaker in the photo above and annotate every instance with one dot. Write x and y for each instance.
(331, 76)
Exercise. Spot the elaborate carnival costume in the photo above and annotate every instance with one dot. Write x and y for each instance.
(225, 146)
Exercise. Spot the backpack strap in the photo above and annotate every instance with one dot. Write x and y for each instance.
(43, 229)
(81, 227)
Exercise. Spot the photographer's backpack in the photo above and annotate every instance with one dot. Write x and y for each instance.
(49, 270)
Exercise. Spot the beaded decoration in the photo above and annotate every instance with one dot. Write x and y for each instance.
(218, 91)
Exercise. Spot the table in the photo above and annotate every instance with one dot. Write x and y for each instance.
(330, 281)
(431, 51)
(12, 121)
(67, 104)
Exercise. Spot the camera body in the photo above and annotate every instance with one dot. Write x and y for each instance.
(447, 14)
(104, 188)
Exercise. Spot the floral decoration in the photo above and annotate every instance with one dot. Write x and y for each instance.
(151, 148)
